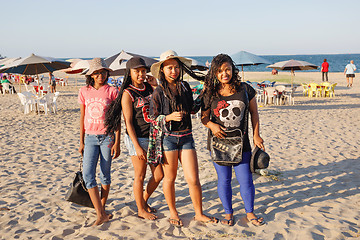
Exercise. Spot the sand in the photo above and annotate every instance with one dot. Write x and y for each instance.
(312, 192)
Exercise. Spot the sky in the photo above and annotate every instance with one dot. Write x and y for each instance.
(83, 29)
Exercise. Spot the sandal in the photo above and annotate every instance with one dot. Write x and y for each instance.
(211, 220)
(228, 222)
(257, 220)
(176, 222)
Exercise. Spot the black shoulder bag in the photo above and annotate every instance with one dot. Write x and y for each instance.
(228, 151)
(78, 192)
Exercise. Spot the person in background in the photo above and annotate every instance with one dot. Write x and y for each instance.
(350, 73)
(133, 102)
(94, 99)
(6, 80)
(52, 82)
(225, 103)
(325, 70)
(274, 72)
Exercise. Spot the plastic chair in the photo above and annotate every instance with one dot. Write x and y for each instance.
(270, 94)
(45, 101)
(280, 92)
(7, 88)
(330, 91)
(289, 95)
(28, 100)
(314, 89)
(53, 103)
(305, 89)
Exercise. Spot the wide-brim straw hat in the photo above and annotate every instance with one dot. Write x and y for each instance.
(259, 159)
(96, 64)
(169, 54)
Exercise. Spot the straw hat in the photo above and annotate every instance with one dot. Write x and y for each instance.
(259, 159)
(169, 54)
(97, 64)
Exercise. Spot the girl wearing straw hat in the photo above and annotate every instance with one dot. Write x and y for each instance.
(225, 103)
(172, 101)
(133, 101)
(94, 99)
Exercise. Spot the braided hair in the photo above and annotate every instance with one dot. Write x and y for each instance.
(113, 114)
(212, 84)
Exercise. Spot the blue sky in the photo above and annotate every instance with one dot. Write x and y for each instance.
(92, 28)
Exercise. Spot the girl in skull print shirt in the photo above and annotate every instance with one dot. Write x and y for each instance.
(225, 104)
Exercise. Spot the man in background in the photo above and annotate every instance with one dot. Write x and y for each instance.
(350, 73)
(325, 70)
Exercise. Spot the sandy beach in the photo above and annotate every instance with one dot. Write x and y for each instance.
(312, 192)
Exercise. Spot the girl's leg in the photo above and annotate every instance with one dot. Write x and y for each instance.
(224, 190)
(157, 176)
(247, 189)
(140, 171)
(90, 159)
(170, 171)
(189, 163)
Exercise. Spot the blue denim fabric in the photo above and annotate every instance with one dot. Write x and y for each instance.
(175, 143)
(244, 177)
(97, 146)
(144, 143)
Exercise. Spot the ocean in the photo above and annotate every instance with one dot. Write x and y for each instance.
(337, 62)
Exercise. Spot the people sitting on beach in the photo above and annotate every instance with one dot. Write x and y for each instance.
(171, 131)
(94, 99)
(6, 80)
(224, 93)
(133, 102)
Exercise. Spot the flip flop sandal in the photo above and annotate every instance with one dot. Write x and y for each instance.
(228, 222)
(176, 222)
(211, 220)
(257, 219)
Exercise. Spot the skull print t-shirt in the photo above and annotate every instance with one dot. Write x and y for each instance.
(229, 111)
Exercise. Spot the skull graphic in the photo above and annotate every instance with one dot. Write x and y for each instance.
(232, 114)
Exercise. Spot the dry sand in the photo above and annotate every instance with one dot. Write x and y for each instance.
(313, 192)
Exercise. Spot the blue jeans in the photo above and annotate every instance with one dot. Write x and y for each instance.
(175, 141)
(97, 146)
(244, 177)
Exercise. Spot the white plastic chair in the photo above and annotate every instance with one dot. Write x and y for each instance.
(45, 102)
(53, 103)
(270, 94)
(44, 89)
(7, 88)
(280, 93)
(289, 95)
(28, 100)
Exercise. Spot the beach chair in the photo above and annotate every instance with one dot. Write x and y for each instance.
(270, 95)
(289, 95)
(7, 88)
(27, 99)
(305, 89)
(280, 92)
(45, 102)
(330, 90)
(53, 102)
(314, 89)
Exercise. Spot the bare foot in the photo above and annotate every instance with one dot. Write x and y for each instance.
(101, 220)
(205, 219)
(146, 215)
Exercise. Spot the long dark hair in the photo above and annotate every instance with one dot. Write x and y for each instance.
(212, 84)
(90, 81)
(179, 103)
(113, 114)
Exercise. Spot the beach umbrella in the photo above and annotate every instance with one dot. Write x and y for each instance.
(34, 65)
(117, 62)
(5, 61)
(244, 58)
(78, 66)
(195, 65)
(292, 65)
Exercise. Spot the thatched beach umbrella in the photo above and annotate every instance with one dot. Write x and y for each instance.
(292, 65)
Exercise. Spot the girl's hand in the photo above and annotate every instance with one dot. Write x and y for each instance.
(81, 149)
(218, 131)
(115, 151)
(141, 153)
(259, 142)
(175, 116)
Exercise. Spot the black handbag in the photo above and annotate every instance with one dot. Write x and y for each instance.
(78, 192)
(227, 151)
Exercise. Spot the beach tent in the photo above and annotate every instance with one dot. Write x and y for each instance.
(117, 62)
(244, 58)
(292, 65)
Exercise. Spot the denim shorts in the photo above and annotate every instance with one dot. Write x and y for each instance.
(175, 141)
(97, 146)
(144, 143)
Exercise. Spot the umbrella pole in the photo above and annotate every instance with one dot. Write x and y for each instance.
(242, 70)
(292, 77)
